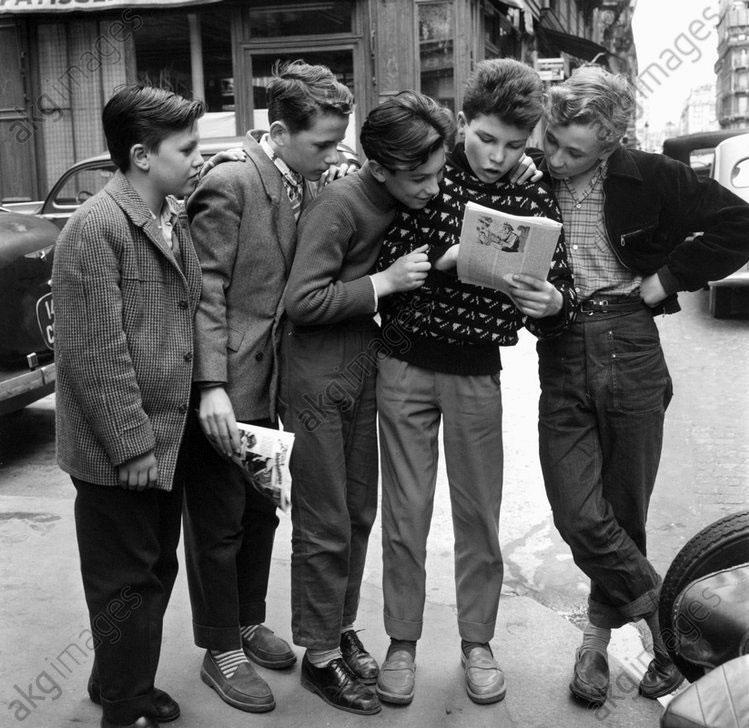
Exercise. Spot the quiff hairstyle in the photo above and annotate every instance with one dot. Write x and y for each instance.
(298, 92)
(404, 130)
(137, 114)
(592, 95)
(505, 88)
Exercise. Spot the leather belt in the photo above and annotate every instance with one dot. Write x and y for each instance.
(611, 304)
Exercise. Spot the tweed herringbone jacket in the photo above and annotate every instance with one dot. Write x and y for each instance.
(124, 313)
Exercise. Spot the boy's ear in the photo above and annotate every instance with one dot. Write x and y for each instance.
(378, 171)
(279, 132)
(139, 157)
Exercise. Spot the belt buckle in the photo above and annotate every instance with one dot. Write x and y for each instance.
(595, 304)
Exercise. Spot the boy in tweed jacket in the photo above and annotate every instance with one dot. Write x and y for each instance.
(126, 283)
(443, 363)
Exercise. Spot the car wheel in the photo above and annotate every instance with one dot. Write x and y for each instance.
(720, 302)
(720, 545)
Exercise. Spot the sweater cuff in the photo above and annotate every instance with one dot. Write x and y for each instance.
(667, 280)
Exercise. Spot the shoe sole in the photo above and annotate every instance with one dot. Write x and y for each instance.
(395, 698)
(167, 718)
(248, 708)
(270, 664)
(594, 701)
(314, 689)
(666, 690)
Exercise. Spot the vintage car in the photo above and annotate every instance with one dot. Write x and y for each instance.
(724, 156)
(28, 231)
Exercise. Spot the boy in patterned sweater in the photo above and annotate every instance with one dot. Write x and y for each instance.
(443, 362)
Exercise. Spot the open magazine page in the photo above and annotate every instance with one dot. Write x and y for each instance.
(494, 244)
(264, 460)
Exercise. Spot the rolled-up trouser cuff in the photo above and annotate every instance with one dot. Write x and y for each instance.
(221, 639)
(127, 711)
(400, 629)
(607, 616)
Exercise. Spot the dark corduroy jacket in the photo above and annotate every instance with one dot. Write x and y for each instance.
(652, 205)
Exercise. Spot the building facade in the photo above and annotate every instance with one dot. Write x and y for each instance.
(63, 58)
(732, 67)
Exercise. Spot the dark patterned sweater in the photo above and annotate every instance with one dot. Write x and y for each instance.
(454, 327)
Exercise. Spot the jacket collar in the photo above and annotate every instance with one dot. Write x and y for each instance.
(621, 164)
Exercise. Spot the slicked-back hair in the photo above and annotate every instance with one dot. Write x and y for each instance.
(137, 114)
(298, 92)
(592, 95)
(505, 88)
(404, 130)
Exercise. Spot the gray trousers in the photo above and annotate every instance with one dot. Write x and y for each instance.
(411, 402)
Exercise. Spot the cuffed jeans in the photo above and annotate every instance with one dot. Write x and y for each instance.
(328, 401)
(411, 402)
(229, 532)
(604, 392)
(127, 541)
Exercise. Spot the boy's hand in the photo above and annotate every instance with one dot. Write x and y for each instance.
(449, 259)
(534, 297)
(218, 422)
(652, 291)
(525, 171)
(408, 272)
(236, 154)
(139, 473)
(336, 171)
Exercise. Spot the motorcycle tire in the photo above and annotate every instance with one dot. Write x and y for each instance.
(722, 544)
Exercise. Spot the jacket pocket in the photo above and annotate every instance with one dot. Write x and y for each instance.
(234, 339)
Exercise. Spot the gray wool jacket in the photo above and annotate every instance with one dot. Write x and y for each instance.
(124, 311)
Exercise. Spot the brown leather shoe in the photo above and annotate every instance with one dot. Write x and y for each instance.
(267, 649)
(661, 678)
(485, 681)
(590, 682)
(362, 664)
(339, 687)
(395, 683)
(245, 689)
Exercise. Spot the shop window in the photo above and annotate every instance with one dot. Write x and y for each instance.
(340, 61)
(164, 52)
(436, 29)
(274, 19)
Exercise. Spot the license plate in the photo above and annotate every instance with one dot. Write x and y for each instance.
(45, 317)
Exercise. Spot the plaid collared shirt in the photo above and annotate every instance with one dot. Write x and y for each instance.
(293, 182)
(596, 269)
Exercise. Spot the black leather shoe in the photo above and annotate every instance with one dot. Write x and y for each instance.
(144, 722)
(245, 689)
(339, 687)
(166, 708)
(362, 664)
(661, 678)
(590, 682)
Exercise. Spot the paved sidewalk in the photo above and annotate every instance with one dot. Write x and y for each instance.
(46, 652)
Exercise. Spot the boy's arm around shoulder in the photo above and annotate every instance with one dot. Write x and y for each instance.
(91, 345)
(314, 293)
(215, 210)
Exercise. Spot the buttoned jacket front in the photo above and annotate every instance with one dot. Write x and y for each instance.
(124, 310)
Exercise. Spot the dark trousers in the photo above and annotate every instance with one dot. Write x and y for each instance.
(328, 391)
(127, 542)
(604, 392)
(229, 532)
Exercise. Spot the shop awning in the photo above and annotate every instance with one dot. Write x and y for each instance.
(16, 7)
(554, 41)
